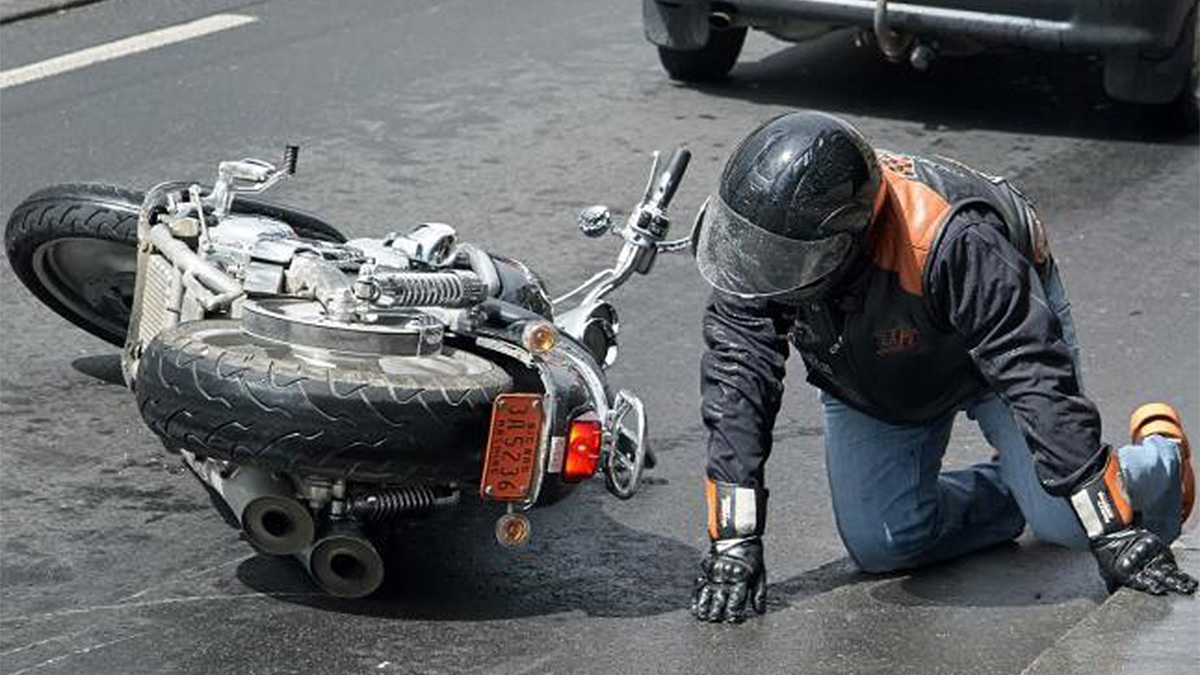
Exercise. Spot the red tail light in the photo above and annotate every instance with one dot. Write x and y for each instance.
(583, 449)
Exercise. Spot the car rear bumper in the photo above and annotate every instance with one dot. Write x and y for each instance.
(1057, 25)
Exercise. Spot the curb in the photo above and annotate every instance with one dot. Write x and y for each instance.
(1131, 632)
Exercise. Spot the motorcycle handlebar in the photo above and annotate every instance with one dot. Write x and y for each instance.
(673, 174)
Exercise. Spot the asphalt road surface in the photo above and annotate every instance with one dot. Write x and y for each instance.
(505, 119)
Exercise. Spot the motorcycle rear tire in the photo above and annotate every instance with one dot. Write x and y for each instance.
(212, 389)
(92, 228)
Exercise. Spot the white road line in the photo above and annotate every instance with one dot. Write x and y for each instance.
(124, 47)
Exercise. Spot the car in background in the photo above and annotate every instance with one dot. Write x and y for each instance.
(1149, 47)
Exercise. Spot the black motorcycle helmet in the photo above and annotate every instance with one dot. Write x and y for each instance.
(794, 202)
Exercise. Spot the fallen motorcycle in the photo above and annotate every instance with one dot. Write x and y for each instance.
(325, 388)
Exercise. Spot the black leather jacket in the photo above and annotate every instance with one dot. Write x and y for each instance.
(989, 301)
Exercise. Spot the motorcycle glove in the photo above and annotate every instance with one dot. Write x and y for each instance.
(732, 581)
(1137, 558)
(731, 573)
(1127, 555)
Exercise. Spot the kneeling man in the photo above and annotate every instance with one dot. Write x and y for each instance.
(914, 288)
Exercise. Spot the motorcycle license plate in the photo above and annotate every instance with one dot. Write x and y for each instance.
(512, 447)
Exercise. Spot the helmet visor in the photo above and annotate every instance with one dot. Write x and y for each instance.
(736, 256)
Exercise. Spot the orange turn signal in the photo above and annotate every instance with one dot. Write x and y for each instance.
(539, 337)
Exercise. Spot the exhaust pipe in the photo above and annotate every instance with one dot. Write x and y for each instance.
(893, 46)
(720, 20)
(272, 519)
(343, 562)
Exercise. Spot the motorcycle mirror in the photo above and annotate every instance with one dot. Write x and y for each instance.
(430, 244)
(595, 221)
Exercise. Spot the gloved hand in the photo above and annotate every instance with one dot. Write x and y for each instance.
(1127, 554)
(732, 577)
(1137, 558)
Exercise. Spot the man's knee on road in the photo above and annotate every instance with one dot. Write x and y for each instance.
(881, 548)
(891, 542)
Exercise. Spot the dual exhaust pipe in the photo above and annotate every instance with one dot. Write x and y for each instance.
(343, 562)
(339, 558)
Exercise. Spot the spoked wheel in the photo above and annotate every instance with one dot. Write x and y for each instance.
(92, 278)
(626, 457)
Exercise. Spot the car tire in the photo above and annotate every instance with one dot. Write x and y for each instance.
(711, 62)
(1167, 86)
(1185, 109)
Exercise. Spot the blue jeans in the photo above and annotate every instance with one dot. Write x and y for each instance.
(896, 508)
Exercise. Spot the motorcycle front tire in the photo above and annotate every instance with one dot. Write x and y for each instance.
(75, 248)
(212, 389)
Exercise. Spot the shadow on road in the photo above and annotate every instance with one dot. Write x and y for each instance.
(449, 567)
(1049, 94)
(1005, 576)
(814, 582)
(1008, 575)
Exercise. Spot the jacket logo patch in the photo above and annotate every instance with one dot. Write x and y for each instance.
(892, 341)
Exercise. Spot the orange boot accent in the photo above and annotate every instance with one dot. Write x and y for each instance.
(1162, 419)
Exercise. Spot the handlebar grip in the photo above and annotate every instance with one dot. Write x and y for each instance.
(676, 166)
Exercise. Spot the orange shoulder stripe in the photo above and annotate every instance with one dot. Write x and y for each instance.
(905, 228)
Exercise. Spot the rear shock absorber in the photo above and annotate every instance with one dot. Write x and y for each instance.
(389, 504)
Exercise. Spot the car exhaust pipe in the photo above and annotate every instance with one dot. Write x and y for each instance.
(892, 46)
(272, 519)
(343, 562)
(720, 20)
